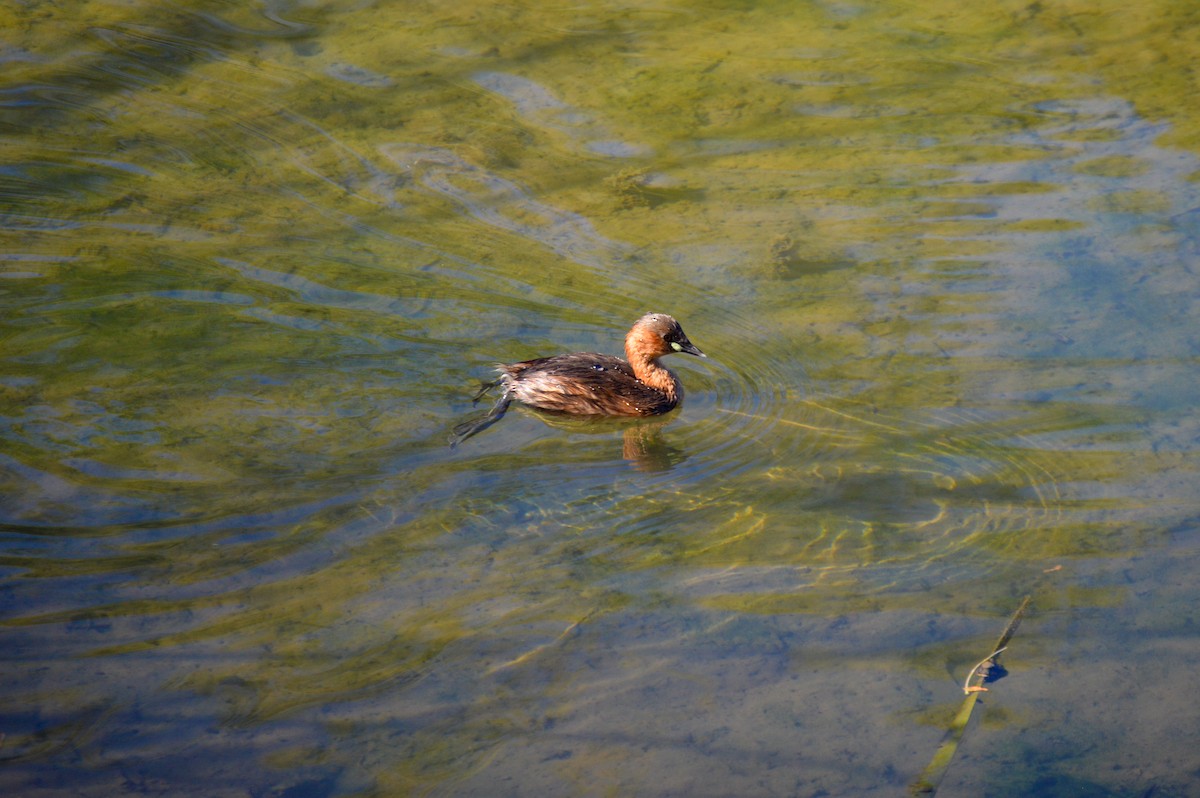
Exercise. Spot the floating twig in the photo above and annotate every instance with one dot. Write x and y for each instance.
(928, 782)
(966, 685)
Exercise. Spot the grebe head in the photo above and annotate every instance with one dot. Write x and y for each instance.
(655, 335)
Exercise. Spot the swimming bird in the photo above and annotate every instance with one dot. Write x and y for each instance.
(591, 384)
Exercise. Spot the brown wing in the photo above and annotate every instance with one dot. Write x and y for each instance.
(584, 384)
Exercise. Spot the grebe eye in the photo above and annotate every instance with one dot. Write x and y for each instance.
(597, 367)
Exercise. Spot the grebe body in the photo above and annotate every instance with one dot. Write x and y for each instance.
(591, 384)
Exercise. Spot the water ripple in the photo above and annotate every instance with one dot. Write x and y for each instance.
(501, 203)
(539, 106)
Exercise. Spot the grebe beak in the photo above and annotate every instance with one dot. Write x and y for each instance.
(687, 347)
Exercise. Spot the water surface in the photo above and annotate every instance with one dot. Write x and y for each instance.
(257, 258)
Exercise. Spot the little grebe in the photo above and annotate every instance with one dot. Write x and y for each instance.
(588, 384)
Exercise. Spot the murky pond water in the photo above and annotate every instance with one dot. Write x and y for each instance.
(257, 259)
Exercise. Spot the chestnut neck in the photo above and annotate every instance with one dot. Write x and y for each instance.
(643, 354)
